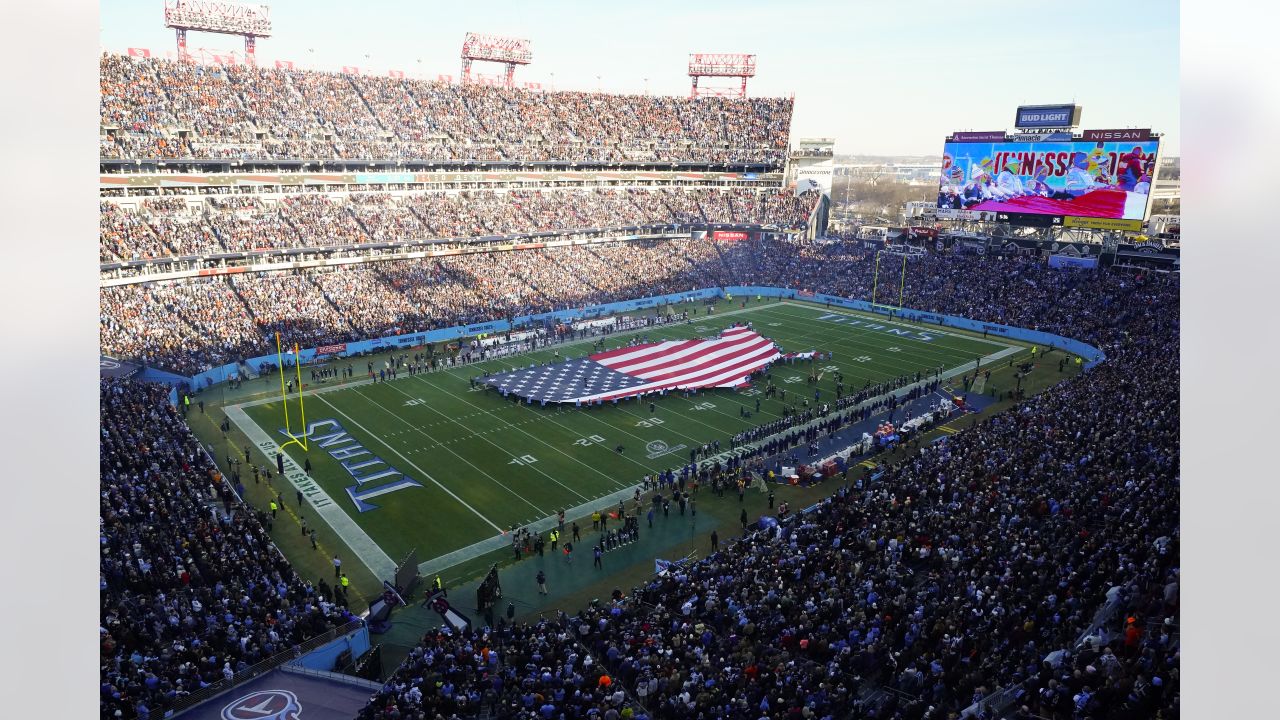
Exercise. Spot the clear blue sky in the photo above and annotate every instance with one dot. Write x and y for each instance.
(888, 78)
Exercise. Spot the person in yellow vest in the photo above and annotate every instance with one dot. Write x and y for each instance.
(1033, 351)
(1079, 360)
(439, 586)
(595, 520)
(555, 538)
(274, 508)
(340, 592)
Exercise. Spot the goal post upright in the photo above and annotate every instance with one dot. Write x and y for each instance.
(284, 398)
(302, 405)
(284, 395)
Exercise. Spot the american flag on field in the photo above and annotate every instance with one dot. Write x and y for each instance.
(724, 361)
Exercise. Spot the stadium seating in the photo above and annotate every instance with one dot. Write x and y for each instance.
(947, 582)
(170, 227)
(153, 108)
(192, 589)
(1014, 533)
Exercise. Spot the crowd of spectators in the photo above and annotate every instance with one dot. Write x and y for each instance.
(160, 108)
(192, 589)
(972, 571)
(157, 322)
(170, 226)
(191, 325)
(124, 235)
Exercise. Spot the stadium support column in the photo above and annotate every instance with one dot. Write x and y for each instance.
(182, 45)
(250, 44)
(466, 70)
(509, 79)
(816, 226)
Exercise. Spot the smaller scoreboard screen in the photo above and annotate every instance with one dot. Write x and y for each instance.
(1103, 183)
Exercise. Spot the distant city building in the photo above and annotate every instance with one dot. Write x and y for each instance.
(909, 170)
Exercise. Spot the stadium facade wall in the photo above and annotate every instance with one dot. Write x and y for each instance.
(323, 657)
(1091, 355)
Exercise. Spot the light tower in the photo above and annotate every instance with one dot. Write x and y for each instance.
(494, 48)
(216, 16)
(720, 65)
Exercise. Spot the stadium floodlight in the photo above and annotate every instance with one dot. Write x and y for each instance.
(218, 16)
(737, 65)
(495, 48)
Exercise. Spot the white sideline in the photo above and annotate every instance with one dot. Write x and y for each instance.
(367, 551)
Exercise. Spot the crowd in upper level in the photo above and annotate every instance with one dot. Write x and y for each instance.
(152, 108)
(176, 226)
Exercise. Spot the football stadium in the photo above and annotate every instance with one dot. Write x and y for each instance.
(431, 395)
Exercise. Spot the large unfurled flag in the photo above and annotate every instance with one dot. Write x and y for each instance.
(724, 361)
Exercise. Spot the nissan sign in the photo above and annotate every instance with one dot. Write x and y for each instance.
(1118, 135)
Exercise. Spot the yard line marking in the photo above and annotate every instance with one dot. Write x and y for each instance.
(610, 478)
(929, 328)
(411, 464)
(370, 554)
(858, 337)
(497, 482)
(536, 469)
(868, 315)
(859, 340)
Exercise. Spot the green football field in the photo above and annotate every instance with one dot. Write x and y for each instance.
(446, 468)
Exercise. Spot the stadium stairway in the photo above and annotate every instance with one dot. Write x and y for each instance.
(555, 260)
(729, 275)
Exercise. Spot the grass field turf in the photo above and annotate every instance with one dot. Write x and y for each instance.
(471, 450)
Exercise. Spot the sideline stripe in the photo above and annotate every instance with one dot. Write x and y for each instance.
(367, 551)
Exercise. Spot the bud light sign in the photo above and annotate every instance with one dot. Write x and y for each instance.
(1047, 116)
